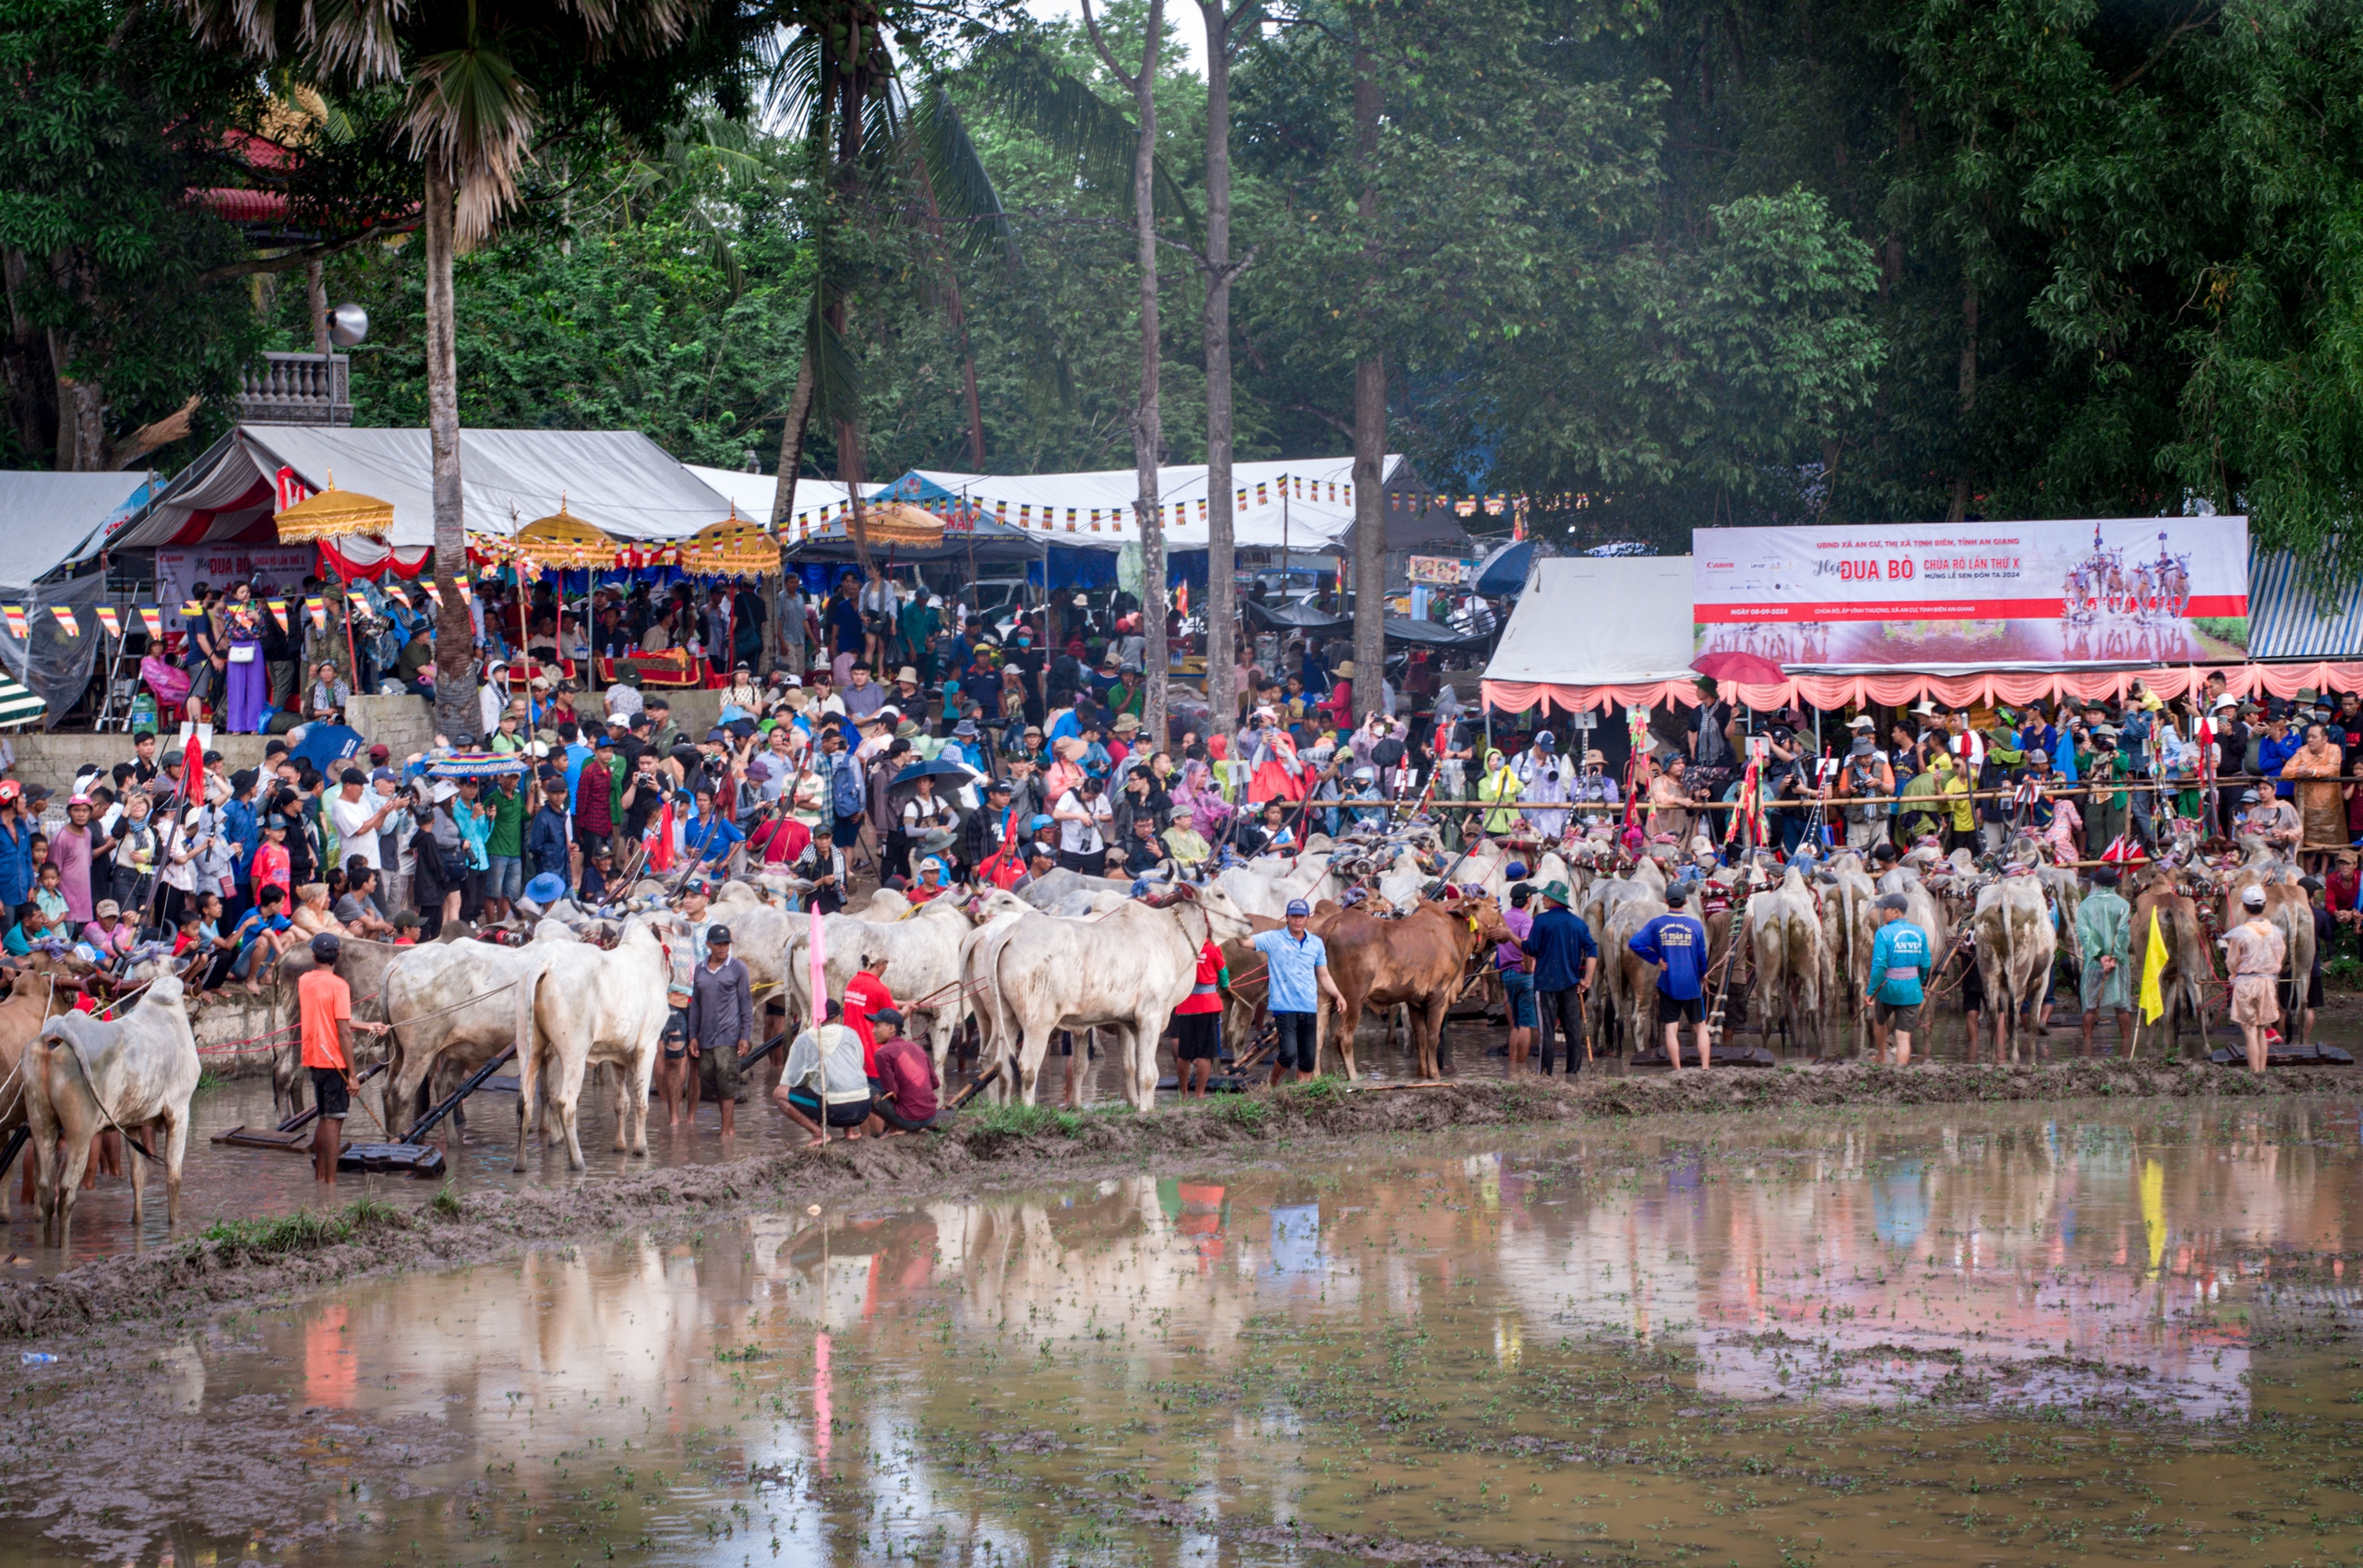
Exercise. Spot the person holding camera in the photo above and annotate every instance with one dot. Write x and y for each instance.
(1867, 785)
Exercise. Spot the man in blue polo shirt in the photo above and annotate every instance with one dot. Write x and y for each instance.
(1677, 944)
(1296, 967)
(1566, 958)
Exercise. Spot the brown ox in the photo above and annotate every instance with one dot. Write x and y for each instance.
(361, 965)
(44, 988)
(2189, 965)
(1416, 961)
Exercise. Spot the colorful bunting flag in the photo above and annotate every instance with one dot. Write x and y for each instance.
(153, 618)
(66, 619)
(192, 608)
(15, 615)
(434, 593)
(1241, 505)
(279, 612)
(109, 619)
(1261, 498)
(318, 608)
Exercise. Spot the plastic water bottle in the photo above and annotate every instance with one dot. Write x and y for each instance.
(36, 1358)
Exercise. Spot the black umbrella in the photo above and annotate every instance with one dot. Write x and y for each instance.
(904, 784)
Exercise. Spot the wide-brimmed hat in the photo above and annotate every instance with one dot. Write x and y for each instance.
(907, 674)
(1126, 724)
(1556, 892)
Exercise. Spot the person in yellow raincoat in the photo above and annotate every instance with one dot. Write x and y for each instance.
(1499, 784)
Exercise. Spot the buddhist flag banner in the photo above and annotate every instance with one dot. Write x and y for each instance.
(15, 618)
(279, 612)
(358, 600)
(153, 618)
(1987, 594)
(109, 619)
(66, 619)
(318, 608)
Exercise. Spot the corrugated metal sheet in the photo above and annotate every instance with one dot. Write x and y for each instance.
(2284, 620)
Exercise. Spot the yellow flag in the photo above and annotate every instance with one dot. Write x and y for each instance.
(2154, 969)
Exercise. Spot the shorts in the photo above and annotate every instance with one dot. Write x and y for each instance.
(1519, 988)
(2254, 999)
(1681, 1010)
(899, 1122)
(1200, 1035)
(1893, 1014)
(719, 1070)
(329, 1092)
(849, 1115)
(505, 878)
(1299, 1041)
(1973, 984)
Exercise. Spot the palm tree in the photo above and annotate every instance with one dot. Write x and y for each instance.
(478, 79)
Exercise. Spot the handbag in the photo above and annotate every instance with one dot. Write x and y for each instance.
(243, 652)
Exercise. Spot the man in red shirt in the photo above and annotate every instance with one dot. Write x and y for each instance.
(904, 1101)
(324, 1017)
(1197, 1024)
(866, 995)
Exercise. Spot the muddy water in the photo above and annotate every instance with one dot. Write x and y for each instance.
(2006, 1336)
(228, 1182)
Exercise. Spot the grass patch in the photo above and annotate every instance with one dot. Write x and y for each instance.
(1014, 1121)
(1322, 1090)
(282, 1234)
(446, 1202)
(1247, 1110)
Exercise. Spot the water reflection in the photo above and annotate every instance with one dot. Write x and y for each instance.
(974, 1377)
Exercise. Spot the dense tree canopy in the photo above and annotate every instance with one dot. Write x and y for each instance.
(1665, 264)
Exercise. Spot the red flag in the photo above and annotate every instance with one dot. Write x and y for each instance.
(660, 846)
(193, 770)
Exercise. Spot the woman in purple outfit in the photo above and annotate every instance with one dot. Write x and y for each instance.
(249, 681)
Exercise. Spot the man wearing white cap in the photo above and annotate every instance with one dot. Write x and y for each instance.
(2254, 952)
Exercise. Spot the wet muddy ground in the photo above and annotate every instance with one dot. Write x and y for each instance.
(1844, 1332)
(225, 1182)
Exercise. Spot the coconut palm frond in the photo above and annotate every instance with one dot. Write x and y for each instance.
(1075, 121)
(964, 189)
(794, 86)
(469, 111)
(836, 372)
(352, 41)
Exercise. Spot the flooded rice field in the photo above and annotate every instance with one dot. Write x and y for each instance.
(227, 1182)
(2114, 1333)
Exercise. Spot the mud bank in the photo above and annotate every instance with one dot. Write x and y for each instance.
(237, 1260)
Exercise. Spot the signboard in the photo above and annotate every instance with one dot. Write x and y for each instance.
(2124, 591)
(1444, 571)
(179, 571)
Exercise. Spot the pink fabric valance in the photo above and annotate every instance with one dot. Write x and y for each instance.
(2009, 687)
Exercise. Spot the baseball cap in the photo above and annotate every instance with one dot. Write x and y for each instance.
(717, 936)
(325, 948)
(2253, 898)
(107, 906)
(383, 775)
(1298, 906)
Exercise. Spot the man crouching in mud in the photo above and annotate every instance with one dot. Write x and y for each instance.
(823, 1085)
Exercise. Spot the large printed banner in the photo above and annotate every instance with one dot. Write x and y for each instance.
(179, 571)
(2129, 590)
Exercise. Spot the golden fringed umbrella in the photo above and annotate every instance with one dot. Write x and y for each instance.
(562, 540)
(733, 547)
(333, 514)
(897, 523)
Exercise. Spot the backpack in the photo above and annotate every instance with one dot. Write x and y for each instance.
(845, 789)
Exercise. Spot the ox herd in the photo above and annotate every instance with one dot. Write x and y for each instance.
(1409, 930)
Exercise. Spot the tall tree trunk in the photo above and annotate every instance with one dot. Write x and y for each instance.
(1222, 588)
(26, 403)
(1959, 510)
(1370, 426)
(791, 461)
(458, 715)
(850, 474)
(316, 299)
(847, 173)
(1148, 425)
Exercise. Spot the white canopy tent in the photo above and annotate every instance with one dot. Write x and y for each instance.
(618, 480)
(47, 518)
(1590, 631)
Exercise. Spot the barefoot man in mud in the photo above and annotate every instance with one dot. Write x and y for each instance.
(324, 1018)
(2254, 950)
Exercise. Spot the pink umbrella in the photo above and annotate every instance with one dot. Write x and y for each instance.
(1748, 669)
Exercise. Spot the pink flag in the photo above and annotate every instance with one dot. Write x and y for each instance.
(819, 971)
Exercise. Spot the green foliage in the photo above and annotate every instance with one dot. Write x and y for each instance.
(304, 1231)
(112, 275)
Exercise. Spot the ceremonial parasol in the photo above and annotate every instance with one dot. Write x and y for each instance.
(1748, 669)
(892, 523)
(562, 540)
(332, 514)
(733, 547)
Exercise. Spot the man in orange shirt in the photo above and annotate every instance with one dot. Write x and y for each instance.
(324, 1015)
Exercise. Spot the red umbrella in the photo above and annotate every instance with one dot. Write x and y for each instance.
(1748, 669)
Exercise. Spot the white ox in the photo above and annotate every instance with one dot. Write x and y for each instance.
(89, 1074)
(594, 1009)
(460, 1003)
(919, 959)
(1123, 971)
